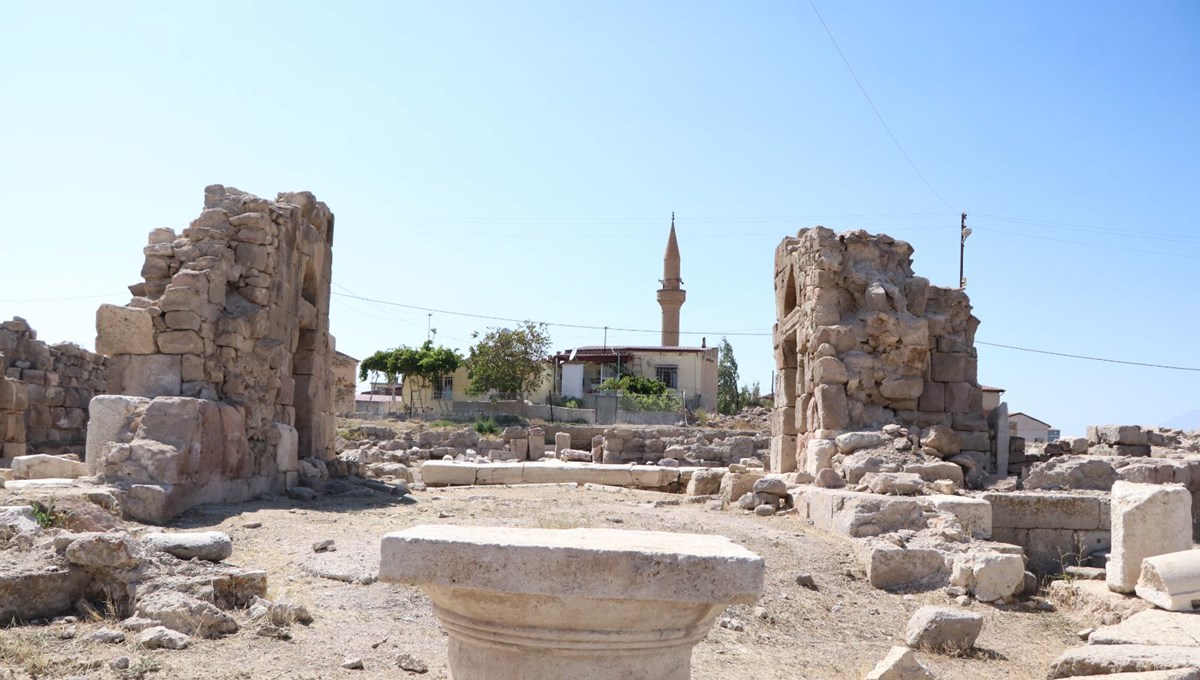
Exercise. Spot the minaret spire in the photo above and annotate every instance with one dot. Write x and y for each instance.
(671, 296)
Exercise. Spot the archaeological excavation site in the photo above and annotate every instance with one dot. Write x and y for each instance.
(200, 498)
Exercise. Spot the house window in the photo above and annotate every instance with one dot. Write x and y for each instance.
(444, 391)
(667, 375)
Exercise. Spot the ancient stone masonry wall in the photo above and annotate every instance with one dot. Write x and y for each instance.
(46, 390)
(861, 342)
(236, 310)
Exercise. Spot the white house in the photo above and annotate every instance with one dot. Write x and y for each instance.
(1030, 428)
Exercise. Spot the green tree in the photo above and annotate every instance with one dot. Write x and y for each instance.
(634, 384)
(729, 398)
(420, 367)
(509, 361)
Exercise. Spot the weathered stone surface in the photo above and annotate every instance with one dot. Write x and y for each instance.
(33, 589)
(891, 566)
(1147, 520)
(853, 441)
(455, 564)
(1072, 472)
(940, 629)
(124, 330)
(1151, 627)
(900, 664)
(1047, 510)
(111, 551)
(975, 514)
(161, 637)
(893, 483)
(941, 439)
(213, 546)
(41, 466)
(184, 614)
(1092, 603)
(989, 575)
(1108, 659)
(108, 419)
(1171, 580)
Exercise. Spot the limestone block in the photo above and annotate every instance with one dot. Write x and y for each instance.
(997, 421)
(1132, 435)
(818, 455)
(734, 485)
(1072, 473)
(857, 514)
(829, 371)
(653, 477)
(705, 482)
(833, 411)
(854, 441)
(1151, 627)
(124, 330)
(1046, 510)
(948, 367)
(108, 420)
(932, 472)
(180, 342)
(893, 483)
(900, 664)
(287, 450)
(562, 440)
(892, 566)
(501, 473)
(933, 397)
(1171, 581)
(783, 453)
(783, 421)
(975, 514)
(478, 580)
(41, 466)
(1147, 520)
(989, 575)
(213, 546)
(520, 448)
(942, 629)
(1108, 660)
(943, 440)
(14, 395)
(902, 388)
(147, 375)
(448, 473)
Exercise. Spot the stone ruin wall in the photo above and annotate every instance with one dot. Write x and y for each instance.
(230, 328)
(45, 392)
(861, 342)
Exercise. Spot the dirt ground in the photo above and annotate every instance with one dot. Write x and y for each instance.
(838, 631)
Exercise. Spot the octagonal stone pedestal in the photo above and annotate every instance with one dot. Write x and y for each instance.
(584, 604)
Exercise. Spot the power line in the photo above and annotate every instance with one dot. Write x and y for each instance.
(743, 333)
(874, 108)
(1079, 356)
(1111, 231)
(548, 323)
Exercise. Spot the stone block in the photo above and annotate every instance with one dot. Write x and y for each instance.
(1147, 520)
(1171, 581)
(562, 440)
(948, 367)
(889, 566)
(705, 482)
(1046, 510)
(833, 411)
(583, 627)
(41, 466)
(287, 450)
(932, 472)
(941, 629)
(933, 397)
(124, 330)
(783, 421)
(14, 395)
(147, 375)
(1132, 435)
(783, 453)
(974, 514)
(734, 485)
(448, 473)
(1111, 660)
(108, 420)
(180, 342)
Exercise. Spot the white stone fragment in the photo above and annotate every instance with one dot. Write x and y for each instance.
(1147, 520)
(1171, 581)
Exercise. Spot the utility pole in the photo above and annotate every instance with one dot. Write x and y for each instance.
(429, 319)
(964, 232)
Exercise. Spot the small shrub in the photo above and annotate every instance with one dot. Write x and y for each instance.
(486, 425)
(701, 416)
(443, 423)
(509, 421)
(48, 516)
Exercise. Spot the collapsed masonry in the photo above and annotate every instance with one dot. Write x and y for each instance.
(44, 392)
(862, 342)
(223, 356)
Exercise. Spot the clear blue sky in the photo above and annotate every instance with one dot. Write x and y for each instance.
(522, 160)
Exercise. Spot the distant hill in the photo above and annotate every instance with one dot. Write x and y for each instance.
(1185, 421)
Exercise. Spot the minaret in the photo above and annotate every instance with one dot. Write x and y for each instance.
(671, 296)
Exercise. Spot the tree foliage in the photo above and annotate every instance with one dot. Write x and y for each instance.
(729, 398)
(421, 367)
(509, 361)
(634, 384)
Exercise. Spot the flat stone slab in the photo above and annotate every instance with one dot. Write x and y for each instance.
(1174, 674)
(636, 565)
(454, 473)
(1049, 510)
(1107, 659)
(1151, 627)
